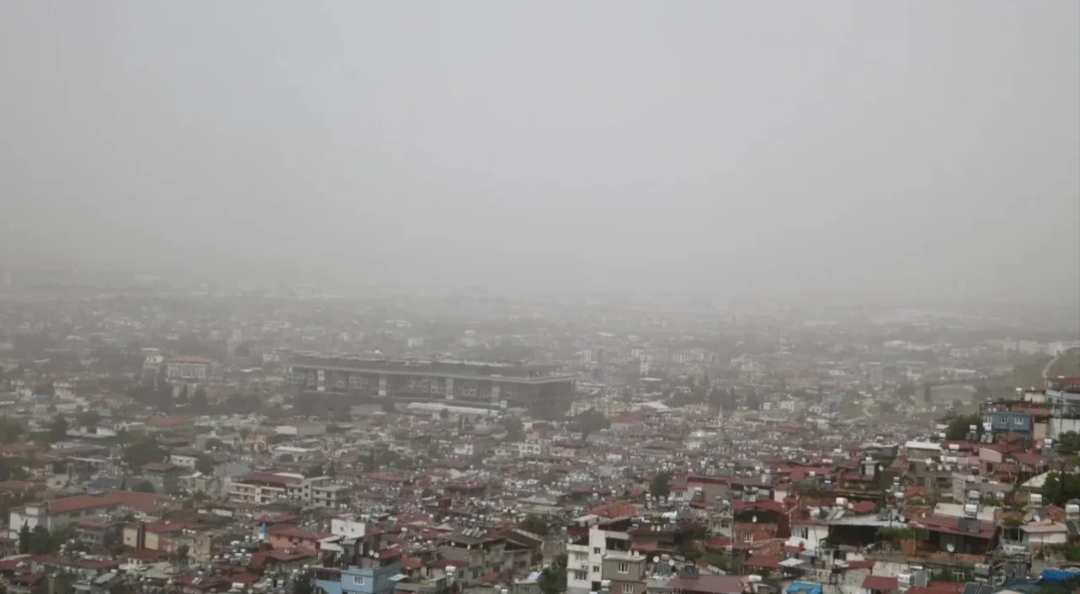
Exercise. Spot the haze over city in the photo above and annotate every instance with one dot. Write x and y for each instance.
(540, 297)
(840, 150)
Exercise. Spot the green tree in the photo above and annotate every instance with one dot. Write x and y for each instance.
(24, 539)
(10, 430)
(199, 401)
(588, 422)
(303, 583)
(58, 429)
(958, 427)
(41, 541)
(204, 464)
(906, 390)
(515, 429)
(928, 393)
(182, 554)
(89, 418)
(143, 486)
(660, 485)
(1069, 443)
(552, 579)
(752, 401)
(143, 450)
(535, 524)
(1060, 487)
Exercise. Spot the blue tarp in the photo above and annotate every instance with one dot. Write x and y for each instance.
(1058, 575)
(805, 587)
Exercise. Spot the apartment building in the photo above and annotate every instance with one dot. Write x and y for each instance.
(596, 540)
(364, 565)
(260, 488)
(188, 369)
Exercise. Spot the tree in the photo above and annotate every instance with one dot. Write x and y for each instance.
(928, 393)
(535, 524)
(199, 402)
(143, 451)
(1060, 487)
(42, 542)
(89, 418)
(589, 421)
(10, 430)
(515, 429)
(1069, 443)
(753, 401)
(182, 554)
(728, 400)
(887, 407)
(958, 428)
(204, 464)
(388, 406)
(143, 486)
(660, 485)
(444, 414)
(302, 583)
(553, 579)
(24, 539)
(58, 429)
(906, 390)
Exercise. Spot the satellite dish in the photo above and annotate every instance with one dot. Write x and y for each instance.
(951, 547)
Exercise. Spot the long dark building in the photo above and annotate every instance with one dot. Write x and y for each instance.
(466, 383)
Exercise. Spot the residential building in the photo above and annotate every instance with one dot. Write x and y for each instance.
(595, 538)
(188, 369)
(58, 513)
(261, 488)
(359, 565)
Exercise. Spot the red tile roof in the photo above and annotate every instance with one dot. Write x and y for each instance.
(880, 582)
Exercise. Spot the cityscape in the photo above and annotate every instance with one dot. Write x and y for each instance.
(183, 440)
(540, 297)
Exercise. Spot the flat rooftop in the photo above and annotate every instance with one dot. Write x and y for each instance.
(514, 372)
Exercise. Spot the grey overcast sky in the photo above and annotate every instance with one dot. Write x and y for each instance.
(903, 150)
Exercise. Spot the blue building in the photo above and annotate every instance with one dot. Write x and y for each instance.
(1005, 420)
(362, 566)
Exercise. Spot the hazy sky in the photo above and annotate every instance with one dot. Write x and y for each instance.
(920, 149)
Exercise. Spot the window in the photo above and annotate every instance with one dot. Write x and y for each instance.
(580, 575)
(358, 580)
(624, 568)
(627, 588)
(1018, 421)
(596, 569)
(596, 550)
(804, 533)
